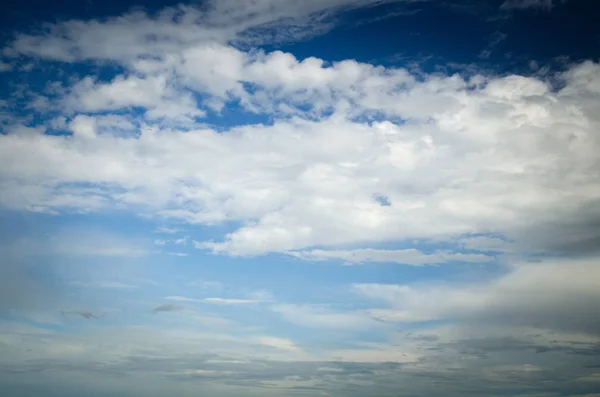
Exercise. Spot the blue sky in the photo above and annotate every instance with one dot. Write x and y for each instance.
(318, 198)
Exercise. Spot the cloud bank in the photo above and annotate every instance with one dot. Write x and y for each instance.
(452, 155)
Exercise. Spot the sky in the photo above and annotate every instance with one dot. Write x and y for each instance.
(300, 198)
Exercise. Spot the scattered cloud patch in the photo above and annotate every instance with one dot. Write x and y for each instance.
(168, 308)
(409, 256)
(117, 285)
(84, 314)
(181, 241)
(167, 230)
(279, 343)
(5, 67)
(546, 5)
(217, 301)
(182, 299)
(319, 317)
(229, 301)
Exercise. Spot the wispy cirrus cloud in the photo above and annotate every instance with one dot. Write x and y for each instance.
(530, 4)
(409, 256)
(106, 285)
(217, 300)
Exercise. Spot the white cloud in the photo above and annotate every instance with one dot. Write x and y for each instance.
(463, 160)
(525, 4)
(314, 316)
(409, 256)
(217, 301)
(124, 38)
(181, 241)
(496, 155)
(182, 299)
(208, 285)
(151, 93)
(107, 285)
(167, 230)
(279, 343)
(229, 301)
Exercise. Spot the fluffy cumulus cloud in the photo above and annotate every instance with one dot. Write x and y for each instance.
(451, 155)
(243, 152)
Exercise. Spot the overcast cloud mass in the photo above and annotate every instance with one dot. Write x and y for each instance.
(308, 198)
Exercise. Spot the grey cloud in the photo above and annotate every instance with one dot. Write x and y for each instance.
(168, 308)
(571, 233)
(557, 294)
(533, 4)
(85, 314)
(466, 362)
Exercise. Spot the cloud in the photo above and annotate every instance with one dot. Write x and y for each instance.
(407, 256)
(167, 230)
(226, 301)
(182, 299)
(208, 285)
(217, 301)
(349, 157)
(313, 177)
(106, 285)
(417, 363)
(496, 39)
(181, 241)
(552, 294)
(314, 316)
(84, 314)
(168, 308)
(279, 343)
(486, 243)
(525, 4)
(180, 254)
(5, 67)
(219, 20)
